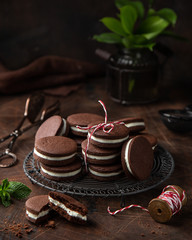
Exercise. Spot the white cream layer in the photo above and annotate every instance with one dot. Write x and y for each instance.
(103, 140)
(69, 211)
(134, 124)
(34, 216)
(154, 146)
(101, 157)
(127, 157)
(68, 174)
(63, 131)
(104, 174)
(53, 158)
(78, 129)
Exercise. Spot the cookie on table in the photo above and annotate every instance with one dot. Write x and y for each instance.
(151, 138)
(113, 139)
(53, 126)
(100, 156)
(55, 150)
(106, 172)
(134, 124)
(37, 209)
(68, 207)
(62, 173)
(82, 119)
(137, 157)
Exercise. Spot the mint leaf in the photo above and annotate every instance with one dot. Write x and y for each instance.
(5, 198)
(19, 190)
(5, 184)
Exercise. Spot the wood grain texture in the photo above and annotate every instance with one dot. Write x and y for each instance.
(131, 224)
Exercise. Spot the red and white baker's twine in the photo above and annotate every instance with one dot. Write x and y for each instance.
(106, 127)
(172, 198)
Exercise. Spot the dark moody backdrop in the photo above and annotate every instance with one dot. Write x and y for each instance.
(33, 28)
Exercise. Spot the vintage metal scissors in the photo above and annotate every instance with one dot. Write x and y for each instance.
(33, 107)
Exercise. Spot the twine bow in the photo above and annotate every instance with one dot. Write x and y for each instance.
(106, 127)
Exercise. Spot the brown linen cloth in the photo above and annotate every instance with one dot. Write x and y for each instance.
(47, 72)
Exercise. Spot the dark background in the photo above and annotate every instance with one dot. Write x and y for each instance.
(33, 28)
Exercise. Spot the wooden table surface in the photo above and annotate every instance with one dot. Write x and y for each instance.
(131, 224)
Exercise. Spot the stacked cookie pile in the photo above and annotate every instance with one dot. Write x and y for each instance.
(120, 147)
(56, 153)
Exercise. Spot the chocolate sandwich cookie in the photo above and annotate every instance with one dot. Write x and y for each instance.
(37, 209)
(134, 124)
(151, 138)
(82, 120)
(137, 157)
(112, 139)
(100, 156)
(53, 126)
(55, 150)
(106, 173)
(62, 173)
(68, 207)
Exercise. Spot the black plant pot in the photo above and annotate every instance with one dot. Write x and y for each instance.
(132, 76)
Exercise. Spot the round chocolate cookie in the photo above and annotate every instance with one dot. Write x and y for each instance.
(55, 150)
(68, 207)
(100, 156)
(113, 139)
(53, 126)
(151, 138)
(82, 120)
(64, 173)
(37, 208)
(134, 124)
(137, 157)
(105, 173)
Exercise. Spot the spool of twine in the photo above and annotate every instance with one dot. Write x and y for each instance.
(162, 208)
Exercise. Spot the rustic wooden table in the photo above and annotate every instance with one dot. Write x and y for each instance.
(131, 224)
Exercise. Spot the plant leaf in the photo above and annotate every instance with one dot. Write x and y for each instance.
(114, 25)
(171, 34)
(168, 14)
(135, 4)
(151, 12)
(152, 26)
(128, 16)
(5, 184)
(20, 190)
(108, 38)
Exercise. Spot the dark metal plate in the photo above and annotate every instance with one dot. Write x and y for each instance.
(86, 186)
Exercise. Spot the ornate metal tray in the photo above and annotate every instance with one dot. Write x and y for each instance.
(86, 186)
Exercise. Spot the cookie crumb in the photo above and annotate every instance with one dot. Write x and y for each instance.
(153, 232)
(28, 230)
(142, 235)
(50, 224)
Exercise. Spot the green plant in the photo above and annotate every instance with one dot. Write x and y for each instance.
(12, 189)
(135, 26)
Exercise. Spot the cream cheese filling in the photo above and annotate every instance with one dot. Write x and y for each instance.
(54, 174)
(100, 157)
(104, 174)
(34, 216)
(53, 158)
(134, 124)
(102, 140)
(64, 128)
(78, 129)
(69, 211)
(126, 156)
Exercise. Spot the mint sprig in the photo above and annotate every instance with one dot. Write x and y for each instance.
(10, 189)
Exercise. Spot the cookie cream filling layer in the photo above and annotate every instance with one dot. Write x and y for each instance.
(53, 158)
(101, 157)
(34, 216)
(78, 129)
(134, 124)
(63, 131)
(154, 146)
(103, 140)
(127, 157)
(99, 174)
(69, 211)
(54, 174)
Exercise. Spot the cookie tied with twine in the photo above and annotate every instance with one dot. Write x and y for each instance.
(162, 208)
